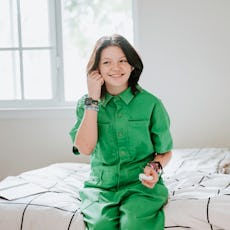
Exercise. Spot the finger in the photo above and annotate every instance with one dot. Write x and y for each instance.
(148, 170)
(97, 77)
(148, 184)
(96, 72)
(102, 81)
(93, 74)
(152, 173)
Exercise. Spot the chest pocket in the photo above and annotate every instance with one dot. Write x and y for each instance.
(139, 136)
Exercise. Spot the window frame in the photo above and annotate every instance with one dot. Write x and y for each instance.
(58, 102)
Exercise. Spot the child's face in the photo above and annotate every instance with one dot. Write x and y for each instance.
(115, 69)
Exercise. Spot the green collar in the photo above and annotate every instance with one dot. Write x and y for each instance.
(126, 96)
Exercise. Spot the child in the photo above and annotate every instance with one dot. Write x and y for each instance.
(125, 129)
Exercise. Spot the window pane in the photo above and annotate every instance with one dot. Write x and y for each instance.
(37, 74)
(83, 23)
(8, 23)
(35, 23)
(9, 75)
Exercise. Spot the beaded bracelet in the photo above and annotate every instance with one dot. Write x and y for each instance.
(156, 165)
(92, 107)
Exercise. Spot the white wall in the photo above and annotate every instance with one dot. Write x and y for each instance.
(186, 52)
(185, 46)
(32, 139)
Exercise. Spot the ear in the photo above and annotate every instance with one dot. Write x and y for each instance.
(132, 68)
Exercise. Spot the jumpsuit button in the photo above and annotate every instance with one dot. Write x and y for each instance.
(122, 153)
(119, 115)
(120, 134)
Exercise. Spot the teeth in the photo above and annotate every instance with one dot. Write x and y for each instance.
(115, 75)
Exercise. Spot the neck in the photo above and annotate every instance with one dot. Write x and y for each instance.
(116, 90)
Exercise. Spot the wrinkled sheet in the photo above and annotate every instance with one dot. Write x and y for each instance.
(48, 198)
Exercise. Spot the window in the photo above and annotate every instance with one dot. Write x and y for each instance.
(27, 52)
(45, 45)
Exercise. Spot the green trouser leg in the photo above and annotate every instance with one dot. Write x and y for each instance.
(102, 217)
(133, 208)
(141, 212)
(99, 209)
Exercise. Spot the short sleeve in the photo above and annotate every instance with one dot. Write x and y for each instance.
(79, 116)
(160, 129)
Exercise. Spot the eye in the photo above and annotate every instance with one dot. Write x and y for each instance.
(105, 62)
(123, 60)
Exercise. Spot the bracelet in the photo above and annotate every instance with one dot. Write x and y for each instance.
(156, 165)
(92, 107)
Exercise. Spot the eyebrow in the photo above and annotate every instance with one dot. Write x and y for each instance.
(110, 58)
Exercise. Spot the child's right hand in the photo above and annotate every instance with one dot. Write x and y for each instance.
(94, 83)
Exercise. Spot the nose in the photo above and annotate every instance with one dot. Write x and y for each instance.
(115, 66)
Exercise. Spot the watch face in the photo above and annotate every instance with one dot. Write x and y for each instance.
(88, 101)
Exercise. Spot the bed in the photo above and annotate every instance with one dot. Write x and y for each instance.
(47, 198)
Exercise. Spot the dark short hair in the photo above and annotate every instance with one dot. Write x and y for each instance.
(132, 57)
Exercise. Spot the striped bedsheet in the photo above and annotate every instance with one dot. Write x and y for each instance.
(47, 198)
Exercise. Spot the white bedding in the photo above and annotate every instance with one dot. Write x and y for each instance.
(47, 198)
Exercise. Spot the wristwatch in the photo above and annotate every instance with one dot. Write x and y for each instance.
(156, 165)
(90, 101)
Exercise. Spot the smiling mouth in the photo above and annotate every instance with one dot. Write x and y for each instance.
(116, 75)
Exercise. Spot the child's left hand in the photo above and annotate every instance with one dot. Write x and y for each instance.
(148, 171)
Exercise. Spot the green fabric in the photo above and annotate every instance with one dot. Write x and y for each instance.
(132, 207)
(131, 129)
(141, 122)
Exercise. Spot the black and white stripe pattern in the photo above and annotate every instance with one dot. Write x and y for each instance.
(199, 196)
(53, 206)
(48, 198)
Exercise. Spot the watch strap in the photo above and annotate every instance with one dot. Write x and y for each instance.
(90, 101)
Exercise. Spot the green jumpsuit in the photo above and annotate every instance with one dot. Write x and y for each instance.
(131, 129)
